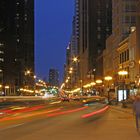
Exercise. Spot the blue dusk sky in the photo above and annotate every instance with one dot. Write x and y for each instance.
(53, 27)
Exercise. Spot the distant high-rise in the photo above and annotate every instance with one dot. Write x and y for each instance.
(54, 77)
(16, 41)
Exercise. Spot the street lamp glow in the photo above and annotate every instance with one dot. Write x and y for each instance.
(123, 72)
(7, 87)
(34, 76)
(75, 59)
(71, 68)
(0, 86)
(93, 83)
(68, 77)
(70, 71)
(99, 81)
(28, 72)
(108, 78)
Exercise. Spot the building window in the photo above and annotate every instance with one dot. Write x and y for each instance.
(17, 3)
(127, 19)
(99, 13)
(1, 60)
(130, 8)
(17, 18)
(1, 52)
(25, 18)
(18, 40)
(99, 51)
(17, 25)
(99, 36)
(133, 19)
(1, 44)
(99, 28)
(98, 20)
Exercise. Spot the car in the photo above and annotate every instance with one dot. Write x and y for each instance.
(93, 100)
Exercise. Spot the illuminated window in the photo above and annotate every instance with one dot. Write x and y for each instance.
(99, 20)
(1, 59)
(1, 52)
(18, 40)
(99, 36)
(99, 28)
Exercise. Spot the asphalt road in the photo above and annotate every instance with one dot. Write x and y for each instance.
(63, 122)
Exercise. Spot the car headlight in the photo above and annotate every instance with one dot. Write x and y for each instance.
(84, 101)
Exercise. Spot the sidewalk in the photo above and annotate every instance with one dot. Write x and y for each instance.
(120, 108)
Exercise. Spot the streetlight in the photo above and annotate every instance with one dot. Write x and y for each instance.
(123, 73)
(108, 78)
(27, 72)
(35, 76)
(99, 81)
(75, 59)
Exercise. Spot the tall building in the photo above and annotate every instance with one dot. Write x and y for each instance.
(71, 53)
(122, 48)
(16, 42)
(94, 26)
(54, 77)
(124, 17)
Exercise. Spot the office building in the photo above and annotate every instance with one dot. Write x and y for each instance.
(16, 43)
(94, 26)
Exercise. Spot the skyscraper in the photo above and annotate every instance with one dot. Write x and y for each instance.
(16, 41)
(54, 77)
(124, 14)
(94, 25)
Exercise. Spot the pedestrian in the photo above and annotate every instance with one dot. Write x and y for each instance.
(136, 109)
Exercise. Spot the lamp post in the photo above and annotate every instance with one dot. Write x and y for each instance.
(123, 73)
(108, 78)
(81, 86)
(75, 59)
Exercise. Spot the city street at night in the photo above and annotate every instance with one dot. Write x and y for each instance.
(69, 69)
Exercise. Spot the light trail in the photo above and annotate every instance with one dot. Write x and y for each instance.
(28, 115)
(96, 112)
(67, 112)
